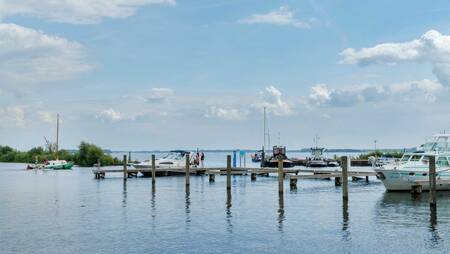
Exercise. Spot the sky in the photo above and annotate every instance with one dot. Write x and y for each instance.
(169, 74)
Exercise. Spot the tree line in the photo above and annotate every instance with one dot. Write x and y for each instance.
(86, 156)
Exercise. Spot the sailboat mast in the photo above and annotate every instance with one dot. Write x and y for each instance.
(57, 136)
(264, 145)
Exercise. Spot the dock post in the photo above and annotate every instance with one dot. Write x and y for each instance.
(125, 171)
(367, 179)
(293, 182)
(187, 174)
(212, 177)
(153, 170)
(345, 164)
(416, 189)
(280, 175)
(432, 174)
(337, 181)
(253, 176)
(228, 172)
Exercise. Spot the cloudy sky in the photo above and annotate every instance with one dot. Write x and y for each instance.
(163, 74)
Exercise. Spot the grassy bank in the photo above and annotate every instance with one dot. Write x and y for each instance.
(86, 156)
(391, 154)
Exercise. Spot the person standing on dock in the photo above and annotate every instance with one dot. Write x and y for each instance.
(202, 159)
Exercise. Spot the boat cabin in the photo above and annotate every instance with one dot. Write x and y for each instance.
(317, 152)
(441, 160)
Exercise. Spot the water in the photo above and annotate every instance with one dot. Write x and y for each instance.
(71, 212)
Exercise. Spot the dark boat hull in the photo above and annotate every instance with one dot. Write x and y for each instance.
(274, 164)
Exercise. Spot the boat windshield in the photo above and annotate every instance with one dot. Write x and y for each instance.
(439, 144)
(405, 158)
(173, 156)
(416, 157)
(442, 162)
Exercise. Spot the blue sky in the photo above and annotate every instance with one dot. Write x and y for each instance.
(163, 74)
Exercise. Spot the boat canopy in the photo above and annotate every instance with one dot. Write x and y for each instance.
(440, 143)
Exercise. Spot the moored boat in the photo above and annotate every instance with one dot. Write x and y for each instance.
(174, 159)
(257, 156)
(412, 169)
(272, 162)
(58, 165)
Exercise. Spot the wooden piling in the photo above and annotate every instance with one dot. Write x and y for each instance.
(345, 164)
(187, 173)
(125, 171)
(253, 176)
(337, 181)
(293, 183)
(432, 175)
(416, 189)
(212, 178)
(228, 172)
(153, 170)
(280, 175)
(367, 179)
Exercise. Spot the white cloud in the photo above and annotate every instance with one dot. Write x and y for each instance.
(75, 11)
(432, 47)
(159, 95)
(12, 116)
(110, 115)
(272, 100)
(47, 117)
(282, 17)
(422, 91)
(226, 113)
(30, 56)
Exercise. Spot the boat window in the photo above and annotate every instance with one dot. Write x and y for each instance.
(416, 157)
(426, 159)
(405, 157)
(442, 162)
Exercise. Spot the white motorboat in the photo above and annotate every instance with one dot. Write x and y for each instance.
(412, 168)
(174, 159)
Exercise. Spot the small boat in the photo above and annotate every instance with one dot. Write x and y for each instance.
(174, 159)
(272, 162)
(316, 160)
(332, 163)
(413, 168)
(257, 156)
(58, 165)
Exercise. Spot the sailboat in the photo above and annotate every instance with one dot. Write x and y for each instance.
(57, 164)
(277, 151)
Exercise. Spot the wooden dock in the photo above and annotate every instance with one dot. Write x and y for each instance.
(298, 173)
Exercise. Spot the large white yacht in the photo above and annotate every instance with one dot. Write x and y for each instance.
(412, 168)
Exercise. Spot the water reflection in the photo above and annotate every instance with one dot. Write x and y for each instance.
(124, 194)
(187, 207)
(399, 210)
(345, 221)
(281, 216)
(153, 201)
(228, 212)
(435, 239)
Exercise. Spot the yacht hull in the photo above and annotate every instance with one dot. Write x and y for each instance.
(403, 180)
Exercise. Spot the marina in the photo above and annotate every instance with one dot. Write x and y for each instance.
(134, 126)
(117, 209)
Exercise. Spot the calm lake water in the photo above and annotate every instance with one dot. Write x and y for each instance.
(71, 212)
